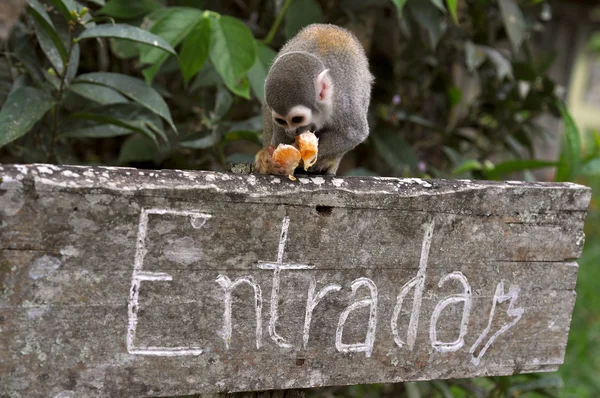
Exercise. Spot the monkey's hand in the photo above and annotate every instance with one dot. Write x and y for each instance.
(264, 163)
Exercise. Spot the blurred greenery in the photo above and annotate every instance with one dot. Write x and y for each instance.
(459, 93)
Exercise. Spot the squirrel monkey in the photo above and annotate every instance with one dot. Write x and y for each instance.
(319, 82)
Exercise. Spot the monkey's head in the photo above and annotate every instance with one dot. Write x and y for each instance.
(299, 91)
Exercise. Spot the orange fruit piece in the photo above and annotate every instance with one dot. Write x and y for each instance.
(288, 157)
(308, 144)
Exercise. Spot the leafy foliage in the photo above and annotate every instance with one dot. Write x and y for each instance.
(458, 94)
(466, 104)
(217, 50)
(22, 108)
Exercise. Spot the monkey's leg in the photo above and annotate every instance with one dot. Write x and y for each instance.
(333, 145)
(326, 166)
(334, 164)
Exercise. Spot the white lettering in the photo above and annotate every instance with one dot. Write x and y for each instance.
(418, 283)
(312, 302)
(139, 275)
(465, 298)
(277, 267)
(517, 313)
(367, 345)
(228, 287)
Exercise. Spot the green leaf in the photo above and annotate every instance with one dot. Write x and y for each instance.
(454, 157)
(200, 143)
(52, 80)
(502, 65)
(48, 37)
(442, 386)
(232, 52)
(173, 27)
(223, 103)
(591, 167)
(594, 42)
(258, 73)
(454, 95)
(524, 71)
(138, 148)
(94, 129)
(207, 77)
(452, 6)
(301, 13)
(37, 10)
(128, 9)
(20, 82)
(569, 169)
(51, 50)
(194, 50)
(155, 15)
(395, 151)
(399, 5)
(130, 116)
(413, 118)
(467, 166)
(246, 135)
(64, 7)
(428, 17)
(539, 385)
(439, 4)
(151, 71)
(100, 94)
(127, 32)
(87, 16)
(596, 134)
(255, 123)
(24, 51)
(21, 110)
(132, 88)
(412, 388)
(544, 62)
(67, 7)
(513, 166)
(474, 56)
(124, 49)
(241, 88)
(514, 22)
(73, 66)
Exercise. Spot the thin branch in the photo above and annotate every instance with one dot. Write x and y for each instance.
(275, 27)
(9, 61)
(59, 95)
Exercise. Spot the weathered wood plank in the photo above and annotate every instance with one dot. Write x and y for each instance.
(121, 282)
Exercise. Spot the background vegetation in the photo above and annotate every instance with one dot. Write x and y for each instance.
(177, 84)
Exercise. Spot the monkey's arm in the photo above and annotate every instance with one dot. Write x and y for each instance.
(335, 143)
(267, 125)
(272, 137)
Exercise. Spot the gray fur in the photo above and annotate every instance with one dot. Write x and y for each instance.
(290, 82)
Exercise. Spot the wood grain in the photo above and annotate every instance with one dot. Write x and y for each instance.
(119, 282)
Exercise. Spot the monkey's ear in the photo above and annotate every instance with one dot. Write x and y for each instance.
(324, 86)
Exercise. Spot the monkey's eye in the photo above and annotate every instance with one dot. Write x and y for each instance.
(280, 121)
(297, 119)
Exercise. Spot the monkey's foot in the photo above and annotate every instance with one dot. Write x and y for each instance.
(264, 163)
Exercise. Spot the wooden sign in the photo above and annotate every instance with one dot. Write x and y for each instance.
(133, 283)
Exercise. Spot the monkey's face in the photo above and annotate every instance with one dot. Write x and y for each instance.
(299, 92)
(298, 109)
(296, 121)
